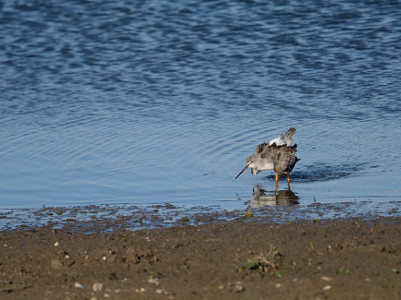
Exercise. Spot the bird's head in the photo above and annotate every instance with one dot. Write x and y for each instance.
(249, 164)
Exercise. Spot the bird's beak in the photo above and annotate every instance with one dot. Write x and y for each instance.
(246, 167)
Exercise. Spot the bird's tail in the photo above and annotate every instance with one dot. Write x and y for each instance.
(287, 137)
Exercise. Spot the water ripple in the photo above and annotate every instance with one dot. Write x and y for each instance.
(163, 101)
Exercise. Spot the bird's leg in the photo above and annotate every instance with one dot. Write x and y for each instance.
(276, 177)
(288, 180)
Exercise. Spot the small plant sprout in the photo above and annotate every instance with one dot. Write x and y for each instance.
(248, 214)
(264, 261)
(250, 263)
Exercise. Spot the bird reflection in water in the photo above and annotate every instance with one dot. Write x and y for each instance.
(262, 197)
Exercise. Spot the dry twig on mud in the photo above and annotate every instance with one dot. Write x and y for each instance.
(264, 260)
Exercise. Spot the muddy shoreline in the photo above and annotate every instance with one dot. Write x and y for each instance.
(107, 218)
(246, 258)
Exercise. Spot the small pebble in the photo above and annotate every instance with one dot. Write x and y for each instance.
(278, 285)
(154, 281)
(56, 244)
(327, 287)
(325, 278)
(78, 285)
(97, 287)
(239, 287)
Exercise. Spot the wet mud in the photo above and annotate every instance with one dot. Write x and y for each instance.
(248, 257)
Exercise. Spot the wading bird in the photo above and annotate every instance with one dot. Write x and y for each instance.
(277, 155)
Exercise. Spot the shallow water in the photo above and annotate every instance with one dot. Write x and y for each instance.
(153, 102)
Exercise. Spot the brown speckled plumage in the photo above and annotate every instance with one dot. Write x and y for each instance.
(284, 158)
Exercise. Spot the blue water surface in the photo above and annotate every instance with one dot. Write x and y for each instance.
(152, 102)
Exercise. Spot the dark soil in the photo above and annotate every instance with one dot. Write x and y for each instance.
(241, 259)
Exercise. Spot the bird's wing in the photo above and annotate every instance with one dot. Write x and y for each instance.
(284, 158)
(260, 149)
(284, 139)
